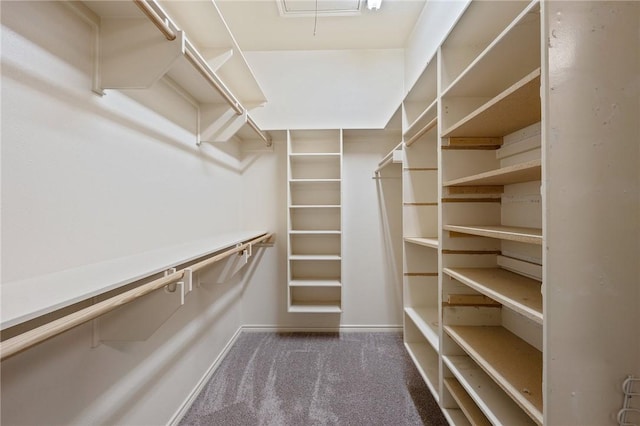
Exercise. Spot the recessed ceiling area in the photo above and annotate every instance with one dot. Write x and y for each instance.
(258, 25)
(301, 8)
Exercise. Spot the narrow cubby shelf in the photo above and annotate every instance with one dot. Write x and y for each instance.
(515, 291)
(303, 181)
(331, 307)
(515, 108)
(315, 206)
(314, 257)
(426, 361)
(517, 173)
(488, 396)
(456, 417)
(315, 232)
(510, 233)
(295, 156)
(512, 363)
(423, 241)
(475, 416)
(426, 320)
(315, 283)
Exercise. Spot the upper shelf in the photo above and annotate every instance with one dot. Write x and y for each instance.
(511, 233)
(517, 173)
(513, 109)
(28, 299)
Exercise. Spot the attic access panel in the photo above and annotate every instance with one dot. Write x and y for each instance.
(307, 8)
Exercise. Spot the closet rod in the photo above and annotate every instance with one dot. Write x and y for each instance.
(265, 137)
(430, 125)
(162, 24)
(37, 335)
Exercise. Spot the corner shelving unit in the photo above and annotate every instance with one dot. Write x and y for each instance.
(491, 217)
(314, 221)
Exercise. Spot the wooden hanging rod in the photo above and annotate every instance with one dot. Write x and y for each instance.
(265, 137)
(37, 335)
(430, 125)
(157, 20)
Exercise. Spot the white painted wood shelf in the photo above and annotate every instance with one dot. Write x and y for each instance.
(466, 403)
(426, 361)
(30, 298)
(515, 291)
(427, 242)
(426, 320)
(314, 222)
(512, 363)
(455, 417)
(488, 396)
(517, 173)
(511, 233)
(513, 109)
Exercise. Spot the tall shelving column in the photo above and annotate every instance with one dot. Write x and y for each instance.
(491, 232)
(314, 174)
(420, 227)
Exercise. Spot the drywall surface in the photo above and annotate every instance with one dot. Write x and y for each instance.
(331, 89)
(591, 201)
(433, 25)
(88, 178)
(371, 246)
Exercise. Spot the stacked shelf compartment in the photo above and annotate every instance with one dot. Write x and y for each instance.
(420, 227)
(314, 221)
(491, 229)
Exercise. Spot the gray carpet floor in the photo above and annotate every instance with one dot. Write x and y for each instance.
(316, 379)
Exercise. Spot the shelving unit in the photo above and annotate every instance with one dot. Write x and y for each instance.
(491, 218)
(314, 221)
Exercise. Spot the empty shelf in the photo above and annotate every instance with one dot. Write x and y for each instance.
(525, 172)
(513, 109)
(515, 291)
(488, 396)
(426, 320)
(455, 417)
(314, 257)
(314, 232)
(427, 242)
(512, 363)
(426, 361)
(314, 283)
(465, 402)
(316, 307)
(302, 181)
(511, 233)
(315, 206)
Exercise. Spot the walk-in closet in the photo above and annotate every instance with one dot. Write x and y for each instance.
(320, 212)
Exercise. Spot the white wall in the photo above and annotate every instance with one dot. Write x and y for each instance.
(433, 25)
(354, 89)
(88, 178)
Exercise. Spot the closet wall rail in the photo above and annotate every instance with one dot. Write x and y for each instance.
(37, 335)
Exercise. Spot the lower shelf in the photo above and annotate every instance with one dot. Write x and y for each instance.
(426, 361)
(456, 417)
(515, 365)
(465, 402)
(488, 396)
(315, 299)
(426, 319)
(316, 307)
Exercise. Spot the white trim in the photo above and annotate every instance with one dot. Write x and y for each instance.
(184, 407)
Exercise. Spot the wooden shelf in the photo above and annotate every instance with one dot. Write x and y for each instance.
(517, 292)
(466, 403)
(315, 283)
(518, 173)
(315, 257)
(512, 363)
(426, 320)
(313, 155)
(427, 242)
(511, 233)
(315, 206)
(303, 181)
(316, 307)
(315, 232)
(488, 396)
(513, 109)
(455, 417)
(426, 361)
(423, 119)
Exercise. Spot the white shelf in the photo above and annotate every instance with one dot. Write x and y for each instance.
(511, 233)
(316, 307)
(517, 173)
(314, 257)
(426, 320)
(313, 181)
(30, 298)
(488, 396)
(427, 242)
(423, 119)
(512, 363)
(312, 156)
(455, 417)
(517, 292)
(426, 361)
(314, 206)
(473, 413)
(314, 232)
(315, 283)
(513, 109)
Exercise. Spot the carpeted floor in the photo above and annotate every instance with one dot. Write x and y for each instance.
(316, 379)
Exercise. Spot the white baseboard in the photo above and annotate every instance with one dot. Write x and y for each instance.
(184, 407)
